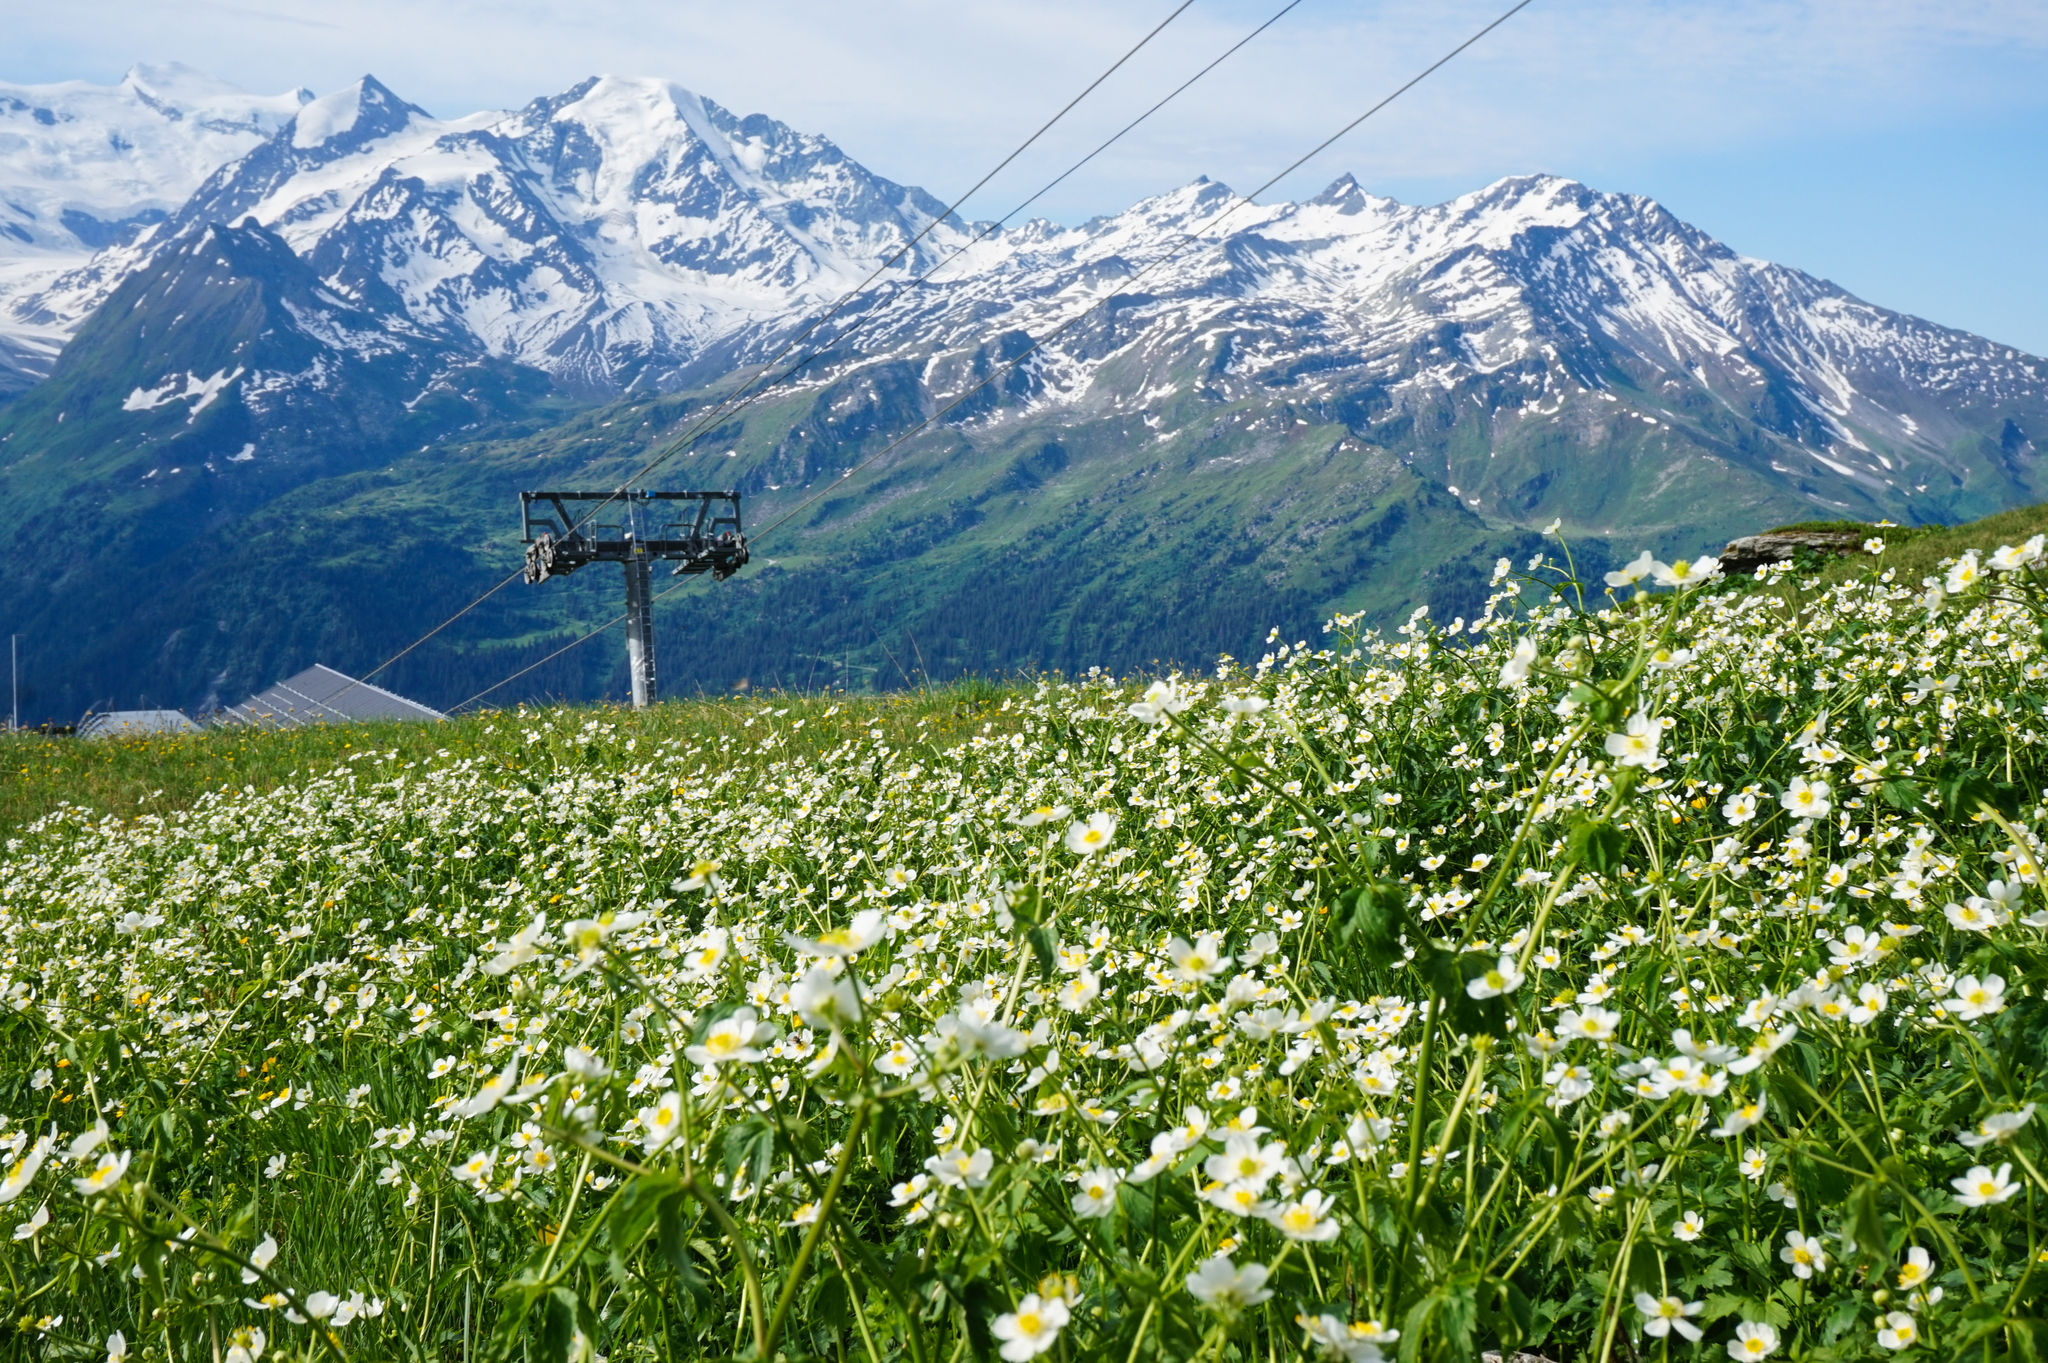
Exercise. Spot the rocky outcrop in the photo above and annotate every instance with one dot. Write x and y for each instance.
(1752, 552)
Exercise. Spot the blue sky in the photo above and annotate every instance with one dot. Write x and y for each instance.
(1897, 147)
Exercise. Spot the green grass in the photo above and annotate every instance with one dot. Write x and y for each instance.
(160, 775)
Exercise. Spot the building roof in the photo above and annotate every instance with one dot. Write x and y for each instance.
(321, 695)
(132, 723)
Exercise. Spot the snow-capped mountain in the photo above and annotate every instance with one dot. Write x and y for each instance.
(327, 372)
(629, 234)
(626, 231)
(84, 167)
(1554, 307)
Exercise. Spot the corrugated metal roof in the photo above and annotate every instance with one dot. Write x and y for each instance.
(132, 723)
(321, 695)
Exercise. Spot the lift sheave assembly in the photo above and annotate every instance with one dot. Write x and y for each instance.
(647, 526)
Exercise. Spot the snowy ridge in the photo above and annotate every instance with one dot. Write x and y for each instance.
(629, 233)
(83, 167)
(614, 234)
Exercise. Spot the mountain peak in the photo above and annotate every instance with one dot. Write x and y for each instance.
(353, 117)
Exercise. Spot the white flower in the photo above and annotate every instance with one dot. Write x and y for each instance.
(1982, 1188)
(321, 1305)
(705, 952)
(956, 1168)
(246, 1344)
(728, 1040)
(1666, 659)
(1593, 1024)
(1097, 1192)
(87, 1141)
(1976, 915)
(117, 1347)
(1636, 745)
(1897, 1331)
(477, 1168)
(583, 1064)
(1504, 978)
(1032, 1328)
(1515, 671)
(491, 1094)
(824, 1000)
(1999, 1127)
(1740, 1120)
(587, 936)
(660, 1122)
(1042, 814)
(1358, 1342)
(1196, 963)
(1308, 1218)
(1683, 574)
(523, 947)
(1964, 573)
(1753, 1339)
(1244, 1163)
(1634, 571)
(1236, 1198)
(1805, 1253)
(1245, 705)
(867, 928)
(1763, 1049)
(1662, 1315)
(260, 1257)
(1739, 807)
(24, 1170)
(31, 1228)
(1221, 1285)
(1162, 698)
(1086, 839)
(1077, 993)
(1919, 1268)
(703, 875)
(1689, 1227)
(1807, 799)
(1977, 998)
(975, 1035)
(106, 1174)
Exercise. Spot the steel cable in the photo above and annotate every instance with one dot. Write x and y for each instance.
(1187, 239)
(727, 405)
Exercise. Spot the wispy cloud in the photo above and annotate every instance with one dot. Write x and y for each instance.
(931, 92)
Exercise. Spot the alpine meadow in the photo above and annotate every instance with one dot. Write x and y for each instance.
(1436, 765)
(1634, 970)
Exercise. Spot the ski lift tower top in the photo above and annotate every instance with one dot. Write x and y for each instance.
(644, 527)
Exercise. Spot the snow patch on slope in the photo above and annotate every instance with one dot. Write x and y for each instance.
(327, 116)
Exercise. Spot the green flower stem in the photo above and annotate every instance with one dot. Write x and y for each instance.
(810, 1244)
(1251, 773)
(568, 1213)
(860, 1317)
(1876, 1171)
(212, 1244)
(1482, 1047)
(1166, 1285)
(1617, 1279)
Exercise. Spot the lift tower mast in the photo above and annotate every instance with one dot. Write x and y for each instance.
(710, 541)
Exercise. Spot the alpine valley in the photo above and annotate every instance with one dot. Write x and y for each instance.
(311, 349)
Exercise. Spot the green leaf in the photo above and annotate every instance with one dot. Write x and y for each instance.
(1375, 914)
(1598, 845)
(1901, 793)
(1865, 1223)
(1040, 941)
